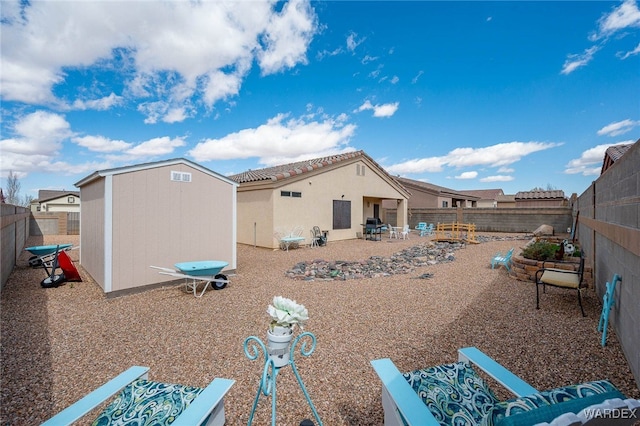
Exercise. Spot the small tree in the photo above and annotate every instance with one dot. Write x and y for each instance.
(13, 189)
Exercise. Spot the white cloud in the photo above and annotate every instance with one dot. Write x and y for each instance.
(101, 144)
(415, 79)
(175, 51)
(630, 53)
(497, 178)
(395, 79)
(576, 61)
(353, 41)
(506, 170)
(590, 161)
(624, 16)
(383, 110)
(467, 175)
(498, 155)
(368, 58)
(618, 128)
(155, 147)
(100, 104)
(280, 140)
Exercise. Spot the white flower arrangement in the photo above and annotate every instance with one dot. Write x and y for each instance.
(287, 313)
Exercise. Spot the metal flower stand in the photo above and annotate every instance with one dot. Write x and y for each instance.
(252, 347)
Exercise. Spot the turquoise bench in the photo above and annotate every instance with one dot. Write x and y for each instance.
(455, 394)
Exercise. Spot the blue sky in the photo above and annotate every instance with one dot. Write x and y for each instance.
(466, 95)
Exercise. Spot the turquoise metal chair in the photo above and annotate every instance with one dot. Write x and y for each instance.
(455, 394)
(607, 303)
(141, 401)
(502, 259)
(422, 227)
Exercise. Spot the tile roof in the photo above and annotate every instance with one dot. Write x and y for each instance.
(484, 194)
(285, 171)
(539, 195)
(617, 151)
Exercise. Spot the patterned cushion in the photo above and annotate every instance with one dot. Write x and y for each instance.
(546, 406)
(454, 393)
(144, 402)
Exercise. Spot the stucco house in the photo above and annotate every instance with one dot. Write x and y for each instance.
(336, 194)
(154, 214)
(487, 198)
(426, 195)
(56, 201)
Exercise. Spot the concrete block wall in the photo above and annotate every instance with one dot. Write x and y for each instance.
(14, 231)
(609, 230)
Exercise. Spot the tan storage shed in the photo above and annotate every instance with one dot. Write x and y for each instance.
(156, 214)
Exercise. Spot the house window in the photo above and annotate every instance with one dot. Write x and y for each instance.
(445, 204)
(293, 194)
(285, 193)
(360, 169)
(71, 200)
(296, 194)
(341, 214)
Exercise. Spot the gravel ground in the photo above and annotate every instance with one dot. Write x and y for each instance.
(58, 344)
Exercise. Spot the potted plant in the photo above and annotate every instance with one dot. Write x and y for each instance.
(285, 315)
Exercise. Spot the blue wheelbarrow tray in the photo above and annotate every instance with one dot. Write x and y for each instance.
(202, 267)
(45, 250)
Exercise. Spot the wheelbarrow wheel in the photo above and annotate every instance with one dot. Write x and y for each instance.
(35, 262)
(53, 281)
(218, 285)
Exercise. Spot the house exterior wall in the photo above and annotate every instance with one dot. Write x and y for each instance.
(61, 205)
(275, 213)
(92, 236)
(255, 217)
(159, 222)
(421, 199)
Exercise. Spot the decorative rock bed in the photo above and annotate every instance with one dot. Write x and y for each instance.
(403, 262)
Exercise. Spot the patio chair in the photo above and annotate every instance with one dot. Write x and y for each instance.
(405, 232)
(422, 227)
(561, 278)
(393, 231)
(317, 239)
(502, 259)
(456, 394)
(141, 401)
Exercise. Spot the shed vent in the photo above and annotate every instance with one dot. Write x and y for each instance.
(180, 176)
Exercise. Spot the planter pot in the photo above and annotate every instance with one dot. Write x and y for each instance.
(278, 342)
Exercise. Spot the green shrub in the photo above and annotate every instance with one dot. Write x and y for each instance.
(541, 250)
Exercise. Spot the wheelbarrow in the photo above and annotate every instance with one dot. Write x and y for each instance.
(51, 258)
(207, 271)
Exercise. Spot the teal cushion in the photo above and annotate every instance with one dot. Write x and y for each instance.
(454, 393)
(546, 406)
(144, 402)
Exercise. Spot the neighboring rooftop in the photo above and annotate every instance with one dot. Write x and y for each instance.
(434, 188)
(484, 194)
(613, 154)
(539, 195)
(47, 194)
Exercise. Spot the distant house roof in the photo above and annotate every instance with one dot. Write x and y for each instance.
(145, 166)
(507, 198)
(484, 194)
(435, 189)
(613, 154)
(45, 195)
(539, 195)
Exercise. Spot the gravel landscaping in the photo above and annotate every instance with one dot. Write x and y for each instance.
(417, 305)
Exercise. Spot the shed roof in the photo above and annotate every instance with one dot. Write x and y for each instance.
(539, 195)
(145, 166)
